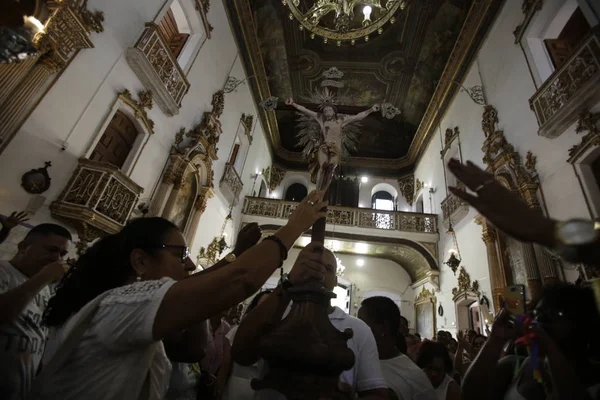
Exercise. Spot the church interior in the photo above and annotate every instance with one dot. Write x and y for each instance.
(203, 112)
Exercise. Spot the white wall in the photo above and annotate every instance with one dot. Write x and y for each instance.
(77, 105)
(502, 69)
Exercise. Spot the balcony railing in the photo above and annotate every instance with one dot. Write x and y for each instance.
(158, 69)
(453, 208)
(572, 87)
(231, 184)
(346, 216)
(98, 196)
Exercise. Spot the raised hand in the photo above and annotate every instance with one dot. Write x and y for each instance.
(503, 328)
(289, 101)
(53, 272)
(249, 235)
(500, 206)
(14, 219)
(308, 211)
(376, 108)
(309, 264)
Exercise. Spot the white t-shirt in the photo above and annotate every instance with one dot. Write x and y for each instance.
(108, 363)
(364, 375)
(407, 380)
(22, 341)
(238, 385)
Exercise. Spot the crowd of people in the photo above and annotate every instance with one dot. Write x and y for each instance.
(128, 320)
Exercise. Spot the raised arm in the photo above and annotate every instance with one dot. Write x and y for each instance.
(361, 115)
(8, 223)
(195, 299)
(302, 109)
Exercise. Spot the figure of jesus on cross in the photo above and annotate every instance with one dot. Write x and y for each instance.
(327, 150)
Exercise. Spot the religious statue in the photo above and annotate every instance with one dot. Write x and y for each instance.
(326, 135)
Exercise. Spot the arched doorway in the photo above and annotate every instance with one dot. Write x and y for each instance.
(262, 192)
(296, 192)
(117, 141)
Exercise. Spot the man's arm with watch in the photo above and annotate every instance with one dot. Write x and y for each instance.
(308, 265)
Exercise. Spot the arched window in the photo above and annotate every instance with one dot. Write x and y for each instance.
(296, 192)
(383, 200)
(419, 204)
(262, 192)
(116, 142)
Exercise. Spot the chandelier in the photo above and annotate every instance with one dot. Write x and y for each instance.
(340, 20)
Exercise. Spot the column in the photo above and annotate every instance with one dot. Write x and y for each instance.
(545, 264)
(531, 268)
(12, 74)
(204, 193)
(17, 107)
(497, 277)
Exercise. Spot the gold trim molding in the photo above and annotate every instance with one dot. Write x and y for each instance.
(139, 106)
(587, 122)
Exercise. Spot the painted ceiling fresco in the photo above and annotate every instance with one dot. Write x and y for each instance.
(401, 66)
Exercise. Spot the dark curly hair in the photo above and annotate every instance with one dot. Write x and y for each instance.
(430, 350)
(104, 266)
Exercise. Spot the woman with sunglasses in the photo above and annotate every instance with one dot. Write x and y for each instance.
(565, 329)
(127, 293)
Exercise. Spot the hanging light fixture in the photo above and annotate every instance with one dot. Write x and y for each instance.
(454, 260)
(346, 24)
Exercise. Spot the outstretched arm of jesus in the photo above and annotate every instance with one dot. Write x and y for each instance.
(302, 109)
(361, 115)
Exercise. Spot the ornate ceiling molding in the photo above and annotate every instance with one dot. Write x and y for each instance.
(475, 27)
(588, 122)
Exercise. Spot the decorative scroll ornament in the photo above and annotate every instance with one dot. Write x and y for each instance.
(276, 177)
(587, 122)
(529, 8)
(333, 73)
(389, 111)
(425, 294)
(465, 284)
(139, 106)
(450, 136)
(418, 185)
(270, 104)
(232, 84)
(475, 93)
(247, 122)
(205, 136)
(407, 188)
(489, 121)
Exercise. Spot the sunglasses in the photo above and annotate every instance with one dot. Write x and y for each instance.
(184, 251)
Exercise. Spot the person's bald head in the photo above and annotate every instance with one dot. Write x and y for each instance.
(330, 263)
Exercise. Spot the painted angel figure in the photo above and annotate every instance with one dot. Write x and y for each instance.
(325, 136)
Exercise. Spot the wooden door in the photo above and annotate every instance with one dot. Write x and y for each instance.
(170, 32)
(116, 142)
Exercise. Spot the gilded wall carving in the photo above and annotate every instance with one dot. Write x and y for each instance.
(276, 177)
(449, 137)
(588, 122)
(529, 8)
(139, 107)
(247, 121)
(464, 284)
(407, 188)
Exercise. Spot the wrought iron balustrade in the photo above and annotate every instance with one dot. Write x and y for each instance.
(573, 86)
(453, 208)
(97, 200)
(158, 69)
(231, 183)
(348, 216)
